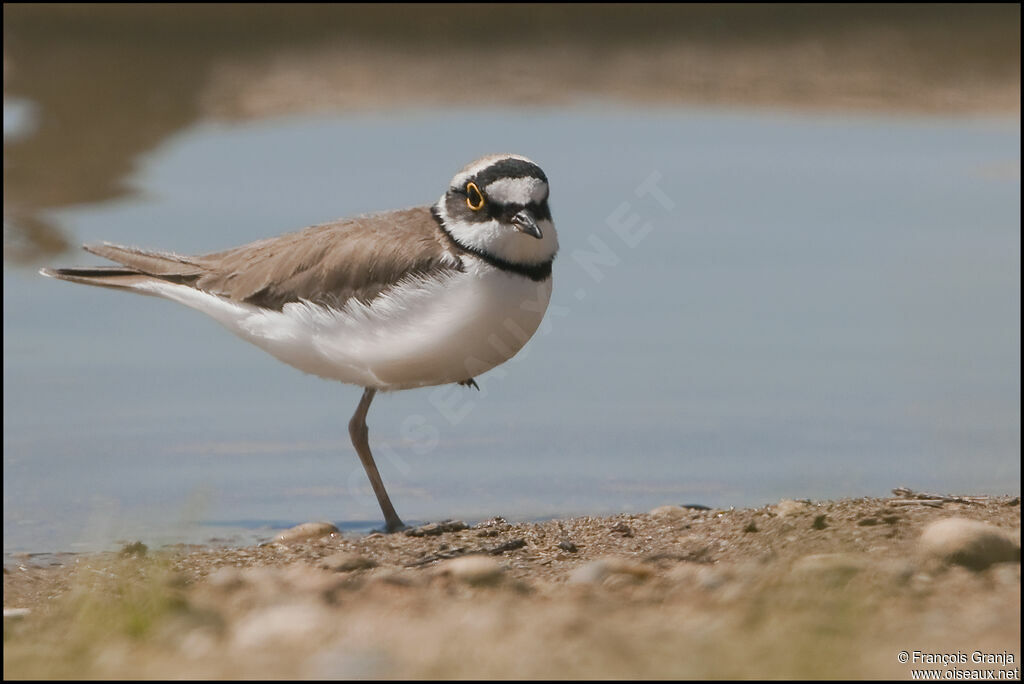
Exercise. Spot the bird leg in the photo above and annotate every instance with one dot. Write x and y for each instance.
(359, 432)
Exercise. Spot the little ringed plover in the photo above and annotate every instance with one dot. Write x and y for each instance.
(387, 301)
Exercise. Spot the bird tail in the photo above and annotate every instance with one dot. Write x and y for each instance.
(138, 267)
(100, 276)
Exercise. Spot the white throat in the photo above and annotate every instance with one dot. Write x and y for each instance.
(502, 241)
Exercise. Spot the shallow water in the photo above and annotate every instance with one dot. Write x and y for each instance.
(801, 306)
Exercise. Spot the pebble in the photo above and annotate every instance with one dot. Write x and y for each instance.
(306, 531)
(623, 529)
(670, 512)
(970, 543)
(15, 613)
(474, 569)
(597, 571)
(788, 507)
(347, 562)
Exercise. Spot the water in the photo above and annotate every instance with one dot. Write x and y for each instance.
(805, 306)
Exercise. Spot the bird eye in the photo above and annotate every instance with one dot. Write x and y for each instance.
(474, 198)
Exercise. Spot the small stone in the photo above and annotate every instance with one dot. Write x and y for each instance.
(496, 521)
(347, 562)
(475, 569)
(751, 527)
(867, 522)
(16, 613)
(820, 522)
(670, 512)
(788, 507)
(970, 543)
(623, 529)
(306, 532)
(567, 545)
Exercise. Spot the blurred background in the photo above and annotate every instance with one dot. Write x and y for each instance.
(790, 257)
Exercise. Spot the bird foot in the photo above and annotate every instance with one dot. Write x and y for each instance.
(394, 526)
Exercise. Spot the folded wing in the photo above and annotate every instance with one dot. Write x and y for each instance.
(327, 264)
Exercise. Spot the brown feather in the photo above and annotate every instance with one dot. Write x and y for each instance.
(101, 276)
(356, 258)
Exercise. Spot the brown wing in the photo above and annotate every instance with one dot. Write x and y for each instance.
(327, 264)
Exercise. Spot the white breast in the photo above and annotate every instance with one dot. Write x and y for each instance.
(428, 330)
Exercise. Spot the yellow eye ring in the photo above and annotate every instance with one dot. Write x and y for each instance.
(474, 198)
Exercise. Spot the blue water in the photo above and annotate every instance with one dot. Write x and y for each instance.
(748, 306)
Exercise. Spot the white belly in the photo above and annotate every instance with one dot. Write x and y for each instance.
(423, 332)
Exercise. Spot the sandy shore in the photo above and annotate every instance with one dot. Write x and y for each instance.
(799, 589)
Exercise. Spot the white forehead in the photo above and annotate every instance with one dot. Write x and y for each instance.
(521, 190)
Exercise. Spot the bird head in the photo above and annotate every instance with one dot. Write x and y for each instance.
(498, 205)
